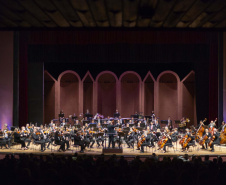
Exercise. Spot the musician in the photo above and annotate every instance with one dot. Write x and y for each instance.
(148, 141)
(63, 123)
(157, 125)
(174, 135)
(100, 137)
(152, 127)
(88, 115)
(212, 124)
(221, 128)
(17, 139)
(39, 139)
(208, 134)
(7, 135)
(183, 122)
(111, 133)
(169, 140)
(79, 141)
(91, 138)
(116, 114)
(169, 124)
(58, 140)
(215, 139)
(144, 121)
(191, 142)
(130, 138)
(25, 135)
(152, 116)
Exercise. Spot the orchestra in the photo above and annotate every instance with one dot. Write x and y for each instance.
(138, 132)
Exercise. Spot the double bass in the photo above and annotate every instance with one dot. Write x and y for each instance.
(200, 130)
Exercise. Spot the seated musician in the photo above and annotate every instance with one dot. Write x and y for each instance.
(2, 139)
(78, 140)
(7, 136)
(17, 139)
(148, 141)
(169, 140)
(99, 137)
(191, 140)
(214, 140)
(58, 140)
(91, 137)
(25, 135)
(39, 139)
(174, 135)
(207, 135)
(130, 138)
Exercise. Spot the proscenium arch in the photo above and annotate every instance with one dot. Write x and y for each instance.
(106, 93)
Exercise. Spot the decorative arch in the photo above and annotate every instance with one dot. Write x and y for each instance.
(168, 95)
(88, 88)
(130, 90)
(148, 93)
(106, 93)
(69, 92)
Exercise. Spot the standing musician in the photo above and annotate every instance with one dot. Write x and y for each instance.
(169, 124)
(221, 128)
(174, 135)
(116, 114)
(157, 125)
(152, 127)
(111, 133)
(214, 140)
(212, 125)
(17, 139)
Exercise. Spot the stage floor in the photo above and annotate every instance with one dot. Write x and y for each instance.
(128, 152)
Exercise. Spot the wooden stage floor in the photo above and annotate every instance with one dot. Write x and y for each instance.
(127, 152)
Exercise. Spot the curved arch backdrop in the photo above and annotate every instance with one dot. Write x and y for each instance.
(167, 95)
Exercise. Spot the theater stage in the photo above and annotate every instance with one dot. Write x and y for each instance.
(127, 152)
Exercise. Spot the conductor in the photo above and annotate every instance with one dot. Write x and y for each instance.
(111, 133)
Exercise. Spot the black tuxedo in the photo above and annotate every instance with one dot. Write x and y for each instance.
(17, 139)
(111, 133)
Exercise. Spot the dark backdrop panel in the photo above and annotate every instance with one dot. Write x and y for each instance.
(35, 93)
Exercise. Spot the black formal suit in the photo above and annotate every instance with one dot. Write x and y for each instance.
(148, 142)
(39, 139)
(58, 140)
(157, 126)
(111, 133)
(17, 139)
(168, 143)
(78, 141)
(153, 127)
(216, 140)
